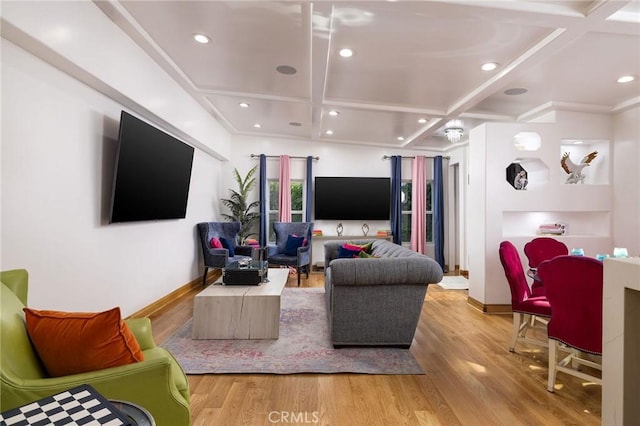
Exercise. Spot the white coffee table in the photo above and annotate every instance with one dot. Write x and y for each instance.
(238, 311)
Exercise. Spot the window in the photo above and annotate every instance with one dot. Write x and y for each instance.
(406, 211)
(297, 207)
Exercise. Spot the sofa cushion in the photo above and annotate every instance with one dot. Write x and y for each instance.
(346, 253)
(228, 245)
(364, 247)
(293, 243)
(215, 243)
(77, 342)
(364, 255)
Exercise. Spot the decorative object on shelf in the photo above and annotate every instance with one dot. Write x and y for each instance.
(552, 229)
(517, 176)
(575, 170)
(521, 181)
(316, 232)
(383, 233)
(339, 229)
(454, 130)
(240, 210)
(365, 229)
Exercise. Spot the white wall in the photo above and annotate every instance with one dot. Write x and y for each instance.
(58, 148)
(626, 176)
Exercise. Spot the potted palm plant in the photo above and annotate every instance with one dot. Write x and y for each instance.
(239, 208)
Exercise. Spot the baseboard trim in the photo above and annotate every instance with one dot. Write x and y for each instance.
(489, 308)
(160, 304)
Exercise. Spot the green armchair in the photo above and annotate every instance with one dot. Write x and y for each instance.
(157, 383)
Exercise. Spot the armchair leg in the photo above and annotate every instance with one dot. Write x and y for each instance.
(298, 274)
(204, 276)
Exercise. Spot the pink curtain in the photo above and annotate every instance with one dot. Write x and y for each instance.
(419, 205)
(284, 202)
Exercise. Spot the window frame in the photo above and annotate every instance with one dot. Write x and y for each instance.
(407, 213)
(297, 215)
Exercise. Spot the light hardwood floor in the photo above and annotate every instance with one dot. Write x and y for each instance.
(471, 379)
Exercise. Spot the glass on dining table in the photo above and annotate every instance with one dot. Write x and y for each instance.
(601, 257)
(577, 251)
(620, 252)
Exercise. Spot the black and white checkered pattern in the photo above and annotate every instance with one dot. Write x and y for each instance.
(82, 405)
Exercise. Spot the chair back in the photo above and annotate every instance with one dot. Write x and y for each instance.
(18, 358)
(228, 230)
(512, 264)
(284, 229)
(573, 285)
(543, 248)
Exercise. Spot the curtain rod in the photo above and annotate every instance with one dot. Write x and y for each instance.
(386, 157)
(277, 156)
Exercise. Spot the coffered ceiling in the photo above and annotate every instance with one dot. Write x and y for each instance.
(411, 60)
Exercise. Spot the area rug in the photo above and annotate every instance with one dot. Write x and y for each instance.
(303, 346)
(454, 282)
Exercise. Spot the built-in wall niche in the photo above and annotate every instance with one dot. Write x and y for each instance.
(529, 224)
(527, 141)
(527, 173)
(584, 161)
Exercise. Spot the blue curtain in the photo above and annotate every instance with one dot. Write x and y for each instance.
(438, 210)
(396, 198)
(264, 232)
(307, 214)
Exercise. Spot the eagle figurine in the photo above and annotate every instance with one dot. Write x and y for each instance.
(575, 170)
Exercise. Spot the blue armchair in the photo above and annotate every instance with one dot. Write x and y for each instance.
(286, 251)
(219, 257)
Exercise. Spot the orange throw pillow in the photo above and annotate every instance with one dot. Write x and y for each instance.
(77, 342)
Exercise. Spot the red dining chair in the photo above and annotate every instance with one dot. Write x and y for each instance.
(524, 305)
(573, 285)
(537, 251)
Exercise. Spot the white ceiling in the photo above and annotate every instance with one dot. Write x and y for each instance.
(413, 59)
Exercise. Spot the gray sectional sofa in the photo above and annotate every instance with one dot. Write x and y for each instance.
(376, 301)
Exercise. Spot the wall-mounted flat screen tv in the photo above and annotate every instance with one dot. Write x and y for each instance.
(352, 198)
(152, 173)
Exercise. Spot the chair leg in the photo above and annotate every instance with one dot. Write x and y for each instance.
(204, 276)
(517, 318)
(551, 383)
(298, 274)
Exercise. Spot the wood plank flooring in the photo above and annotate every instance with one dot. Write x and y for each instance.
(471, 379)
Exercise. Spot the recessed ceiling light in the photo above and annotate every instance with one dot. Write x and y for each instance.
(346, 53)
(489, 66)
(257, 125)
(515, 91)
(333, 113)
(422, 120)
(400, 138)
(626, 79)
(286, 69)
(243, 105)
(201, 38)
(328, 132)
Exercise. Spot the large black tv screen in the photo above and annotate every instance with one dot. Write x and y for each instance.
(352, 198)
(152, 173)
